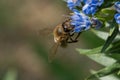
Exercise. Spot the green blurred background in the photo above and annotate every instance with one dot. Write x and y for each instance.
(26, 37)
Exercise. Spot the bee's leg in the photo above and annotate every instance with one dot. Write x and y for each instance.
(75, 40)
(71, 34)
(77, 36)
(71, 40)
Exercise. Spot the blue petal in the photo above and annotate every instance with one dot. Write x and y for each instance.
(73, 3)
(89, 9)
(117, 17)
(117, 6)
(94, 2)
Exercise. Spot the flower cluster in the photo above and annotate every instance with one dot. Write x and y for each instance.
(81, 20)
(117, 15)
(89, 7)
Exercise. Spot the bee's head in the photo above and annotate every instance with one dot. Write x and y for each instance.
(67, 25)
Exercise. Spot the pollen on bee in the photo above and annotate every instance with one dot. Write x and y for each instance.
(56, 40)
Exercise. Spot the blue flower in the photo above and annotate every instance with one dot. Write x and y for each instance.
(117, 6)
(73, 3)
(96, 23)
(80, 22)
(89, 9)
(94, 2)
(117, 18)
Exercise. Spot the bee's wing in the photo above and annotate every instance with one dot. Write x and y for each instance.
(45, 32)
(52, 52)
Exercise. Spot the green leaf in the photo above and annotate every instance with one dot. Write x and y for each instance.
(116, 56)
(114, 51)
(102, 59)
(103, 35)
(108, 13)
(89, 51)
(95, 55)
(115, 48)
(105, 72)
(110, 39)
(11, 75)
(109, 77)
(111, 31)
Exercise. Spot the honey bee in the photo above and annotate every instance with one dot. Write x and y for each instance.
(62, 35)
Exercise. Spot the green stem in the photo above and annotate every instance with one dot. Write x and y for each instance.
(110, 39)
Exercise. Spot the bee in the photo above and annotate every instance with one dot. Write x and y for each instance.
(63, 34)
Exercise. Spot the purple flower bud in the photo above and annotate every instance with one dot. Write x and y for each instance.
(96, 23)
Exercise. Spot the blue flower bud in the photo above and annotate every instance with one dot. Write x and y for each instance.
(117, 18)
(80, 22)
(94, 2)
(89, 9)
(117, 6)
(96, 23)
(73, 3)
